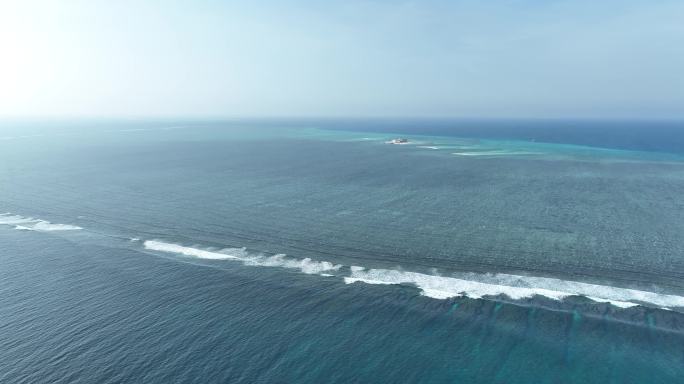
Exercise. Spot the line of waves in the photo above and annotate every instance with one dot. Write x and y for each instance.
(471, 285)
(33, 224)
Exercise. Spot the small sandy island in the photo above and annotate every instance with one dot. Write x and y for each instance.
(398, 141)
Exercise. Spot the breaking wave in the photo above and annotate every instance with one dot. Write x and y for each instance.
(33, 224)
(306, 265)
(515, 287)
(471, 285)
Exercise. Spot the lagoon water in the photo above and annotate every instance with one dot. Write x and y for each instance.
(313, 251)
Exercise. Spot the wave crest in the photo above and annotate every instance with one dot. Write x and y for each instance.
(515, 287)
(33, 224)
(307, 265)
(472, 285)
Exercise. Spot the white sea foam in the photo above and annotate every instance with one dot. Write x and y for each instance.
(472, 285)
(224, 254)
(33, 224)
(306, 265)
(432, 285)
(47, 226)
(10, 219)
(495, 153)
(428, 147)
(516, 287)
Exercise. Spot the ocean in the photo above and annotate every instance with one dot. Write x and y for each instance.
(314, 251)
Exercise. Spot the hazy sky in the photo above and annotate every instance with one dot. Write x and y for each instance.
(529, 58)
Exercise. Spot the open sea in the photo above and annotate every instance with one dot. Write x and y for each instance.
(312, 251)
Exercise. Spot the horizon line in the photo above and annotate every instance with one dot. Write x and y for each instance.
(209, 117)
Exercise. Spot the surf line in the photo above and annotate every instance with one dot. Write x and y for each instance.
(470, 285)
(439, 287)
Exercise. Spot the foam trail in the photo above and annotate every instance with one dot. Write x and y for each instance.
(33, 224)
(472, 285)
(440, 287)
(306, 265)
(516, 287)
(224, 254)
(47, 226)
(10, 219)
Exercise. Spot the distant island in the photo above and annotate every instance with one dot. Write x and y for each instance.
(398, 141)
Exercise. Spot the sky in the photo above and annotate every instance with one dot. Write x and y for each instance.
(352, 58)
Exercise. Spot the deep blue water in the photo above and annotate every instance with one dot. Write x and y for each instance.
(312, 251)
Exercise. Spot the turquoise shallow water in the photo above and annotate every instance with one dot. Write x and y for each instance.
(316, 252)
